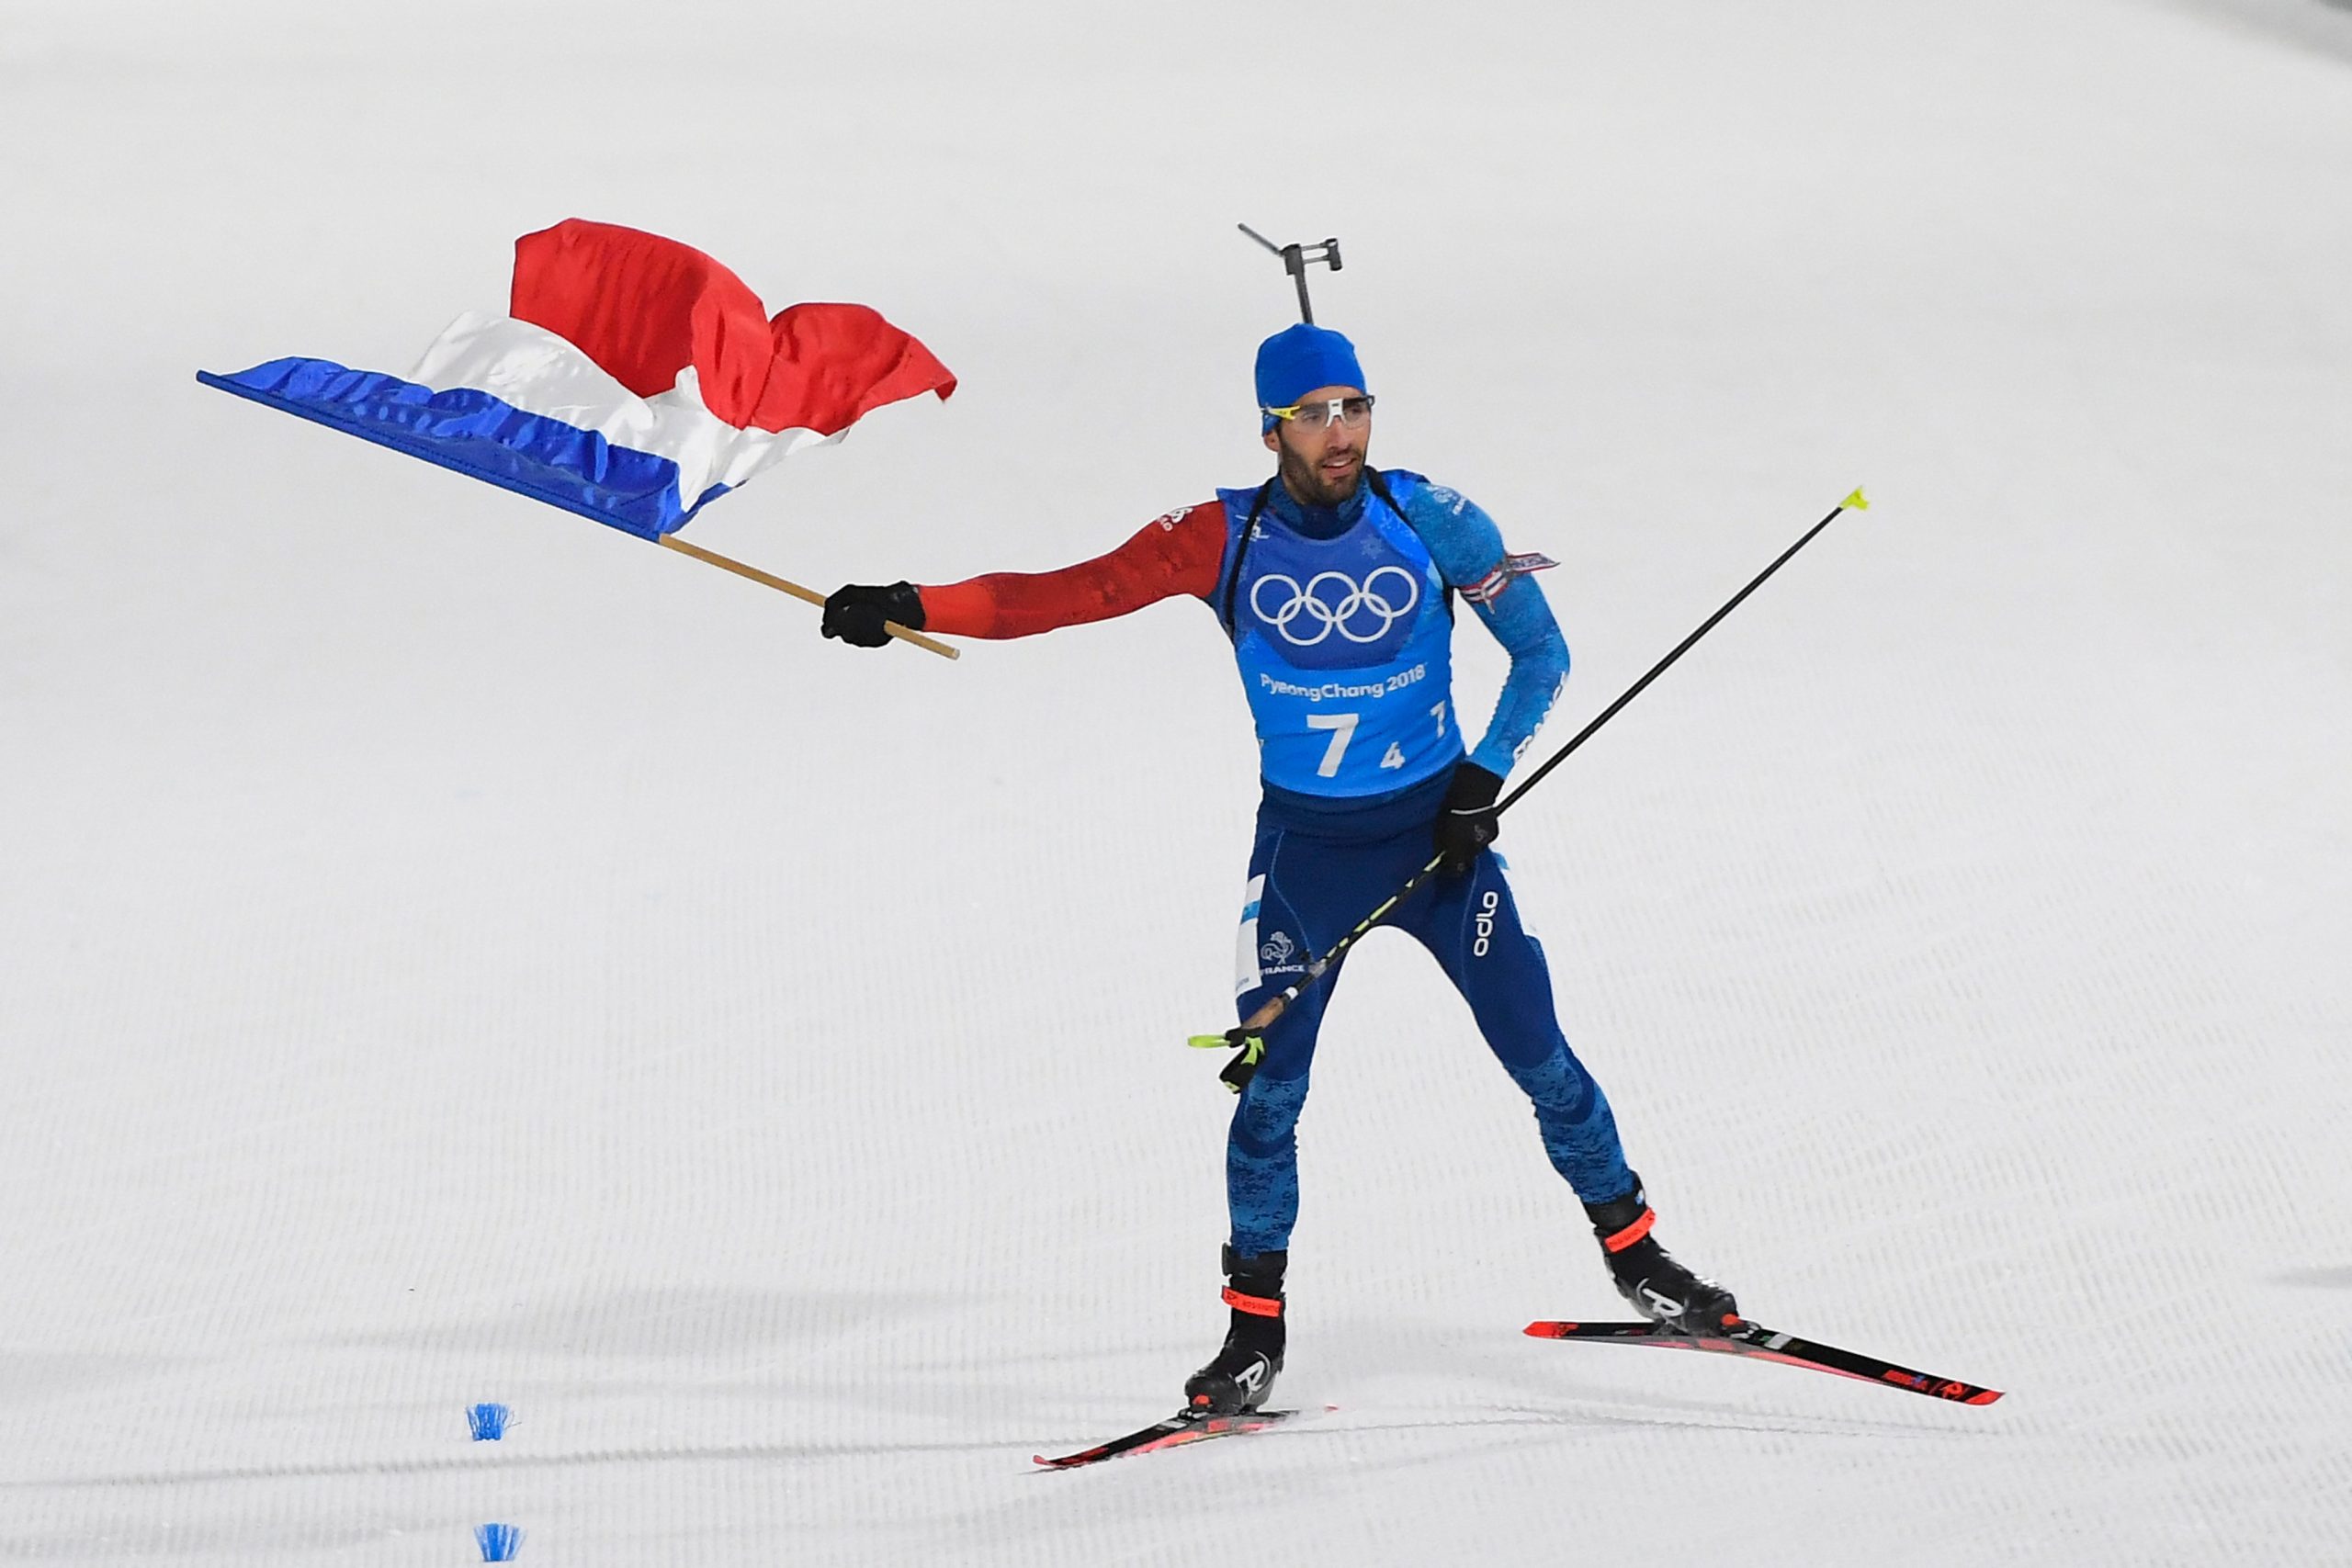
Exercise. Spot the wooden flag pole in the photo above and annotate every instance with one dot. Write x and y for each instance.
(672, 541)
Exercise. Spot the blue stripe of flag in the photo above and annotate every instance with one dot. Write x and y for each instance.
(482, 437)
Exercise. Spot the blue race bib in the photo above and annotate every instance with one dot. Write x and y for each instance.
(1345, 646)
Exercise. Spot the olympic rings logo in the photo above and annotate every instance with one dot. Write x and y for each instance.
(1354, 607)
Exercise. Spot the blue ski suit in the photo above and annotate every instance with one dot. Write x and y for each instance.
(1341, 620)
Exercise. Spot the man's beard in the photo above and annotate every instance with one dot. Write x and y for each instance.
(1306, 481)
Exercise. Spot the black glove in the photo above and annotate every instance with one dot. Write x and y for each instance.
(855, 615)
(1468, 821)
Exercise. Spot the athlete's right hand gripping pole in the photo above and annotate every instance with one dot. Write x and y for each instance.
(1245, 1039)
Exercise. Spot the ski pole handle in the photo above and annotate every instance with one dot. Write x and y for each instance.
(1245, 1036)
(1274, 1007)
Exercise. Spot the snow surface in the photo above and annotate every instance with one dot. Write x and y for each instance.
(455, 953)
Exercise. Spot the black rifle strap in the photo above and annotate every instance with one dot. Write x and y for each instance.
(1241, 551)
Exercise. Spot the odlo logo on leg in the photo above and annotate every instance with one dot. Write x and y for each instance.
(1485, 922)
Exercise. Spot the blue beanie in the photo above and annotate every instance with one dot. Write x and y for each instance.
(1297, 360)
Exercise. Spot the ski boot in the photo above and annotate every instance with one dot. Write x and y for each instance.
(1646, 1274)
(1243, 1374)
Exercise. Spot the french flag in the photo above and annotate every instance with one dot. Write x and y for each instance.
(633, 381)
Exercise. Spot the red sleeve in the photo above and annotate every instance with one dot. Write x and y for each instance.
(1179, 553)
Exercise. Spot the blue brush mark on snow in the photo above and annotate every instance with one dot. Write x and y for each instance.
(488, 1422)
(499, 1543)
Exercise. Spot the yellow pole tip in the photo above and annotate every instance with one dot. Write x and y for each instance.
(1856, 500)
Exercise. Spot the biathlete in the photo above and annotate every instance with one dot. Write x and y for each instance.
(1335, 584)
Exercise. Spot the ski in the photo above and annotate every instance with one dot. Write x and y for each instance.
(1758, 1343)
(1177, 1430)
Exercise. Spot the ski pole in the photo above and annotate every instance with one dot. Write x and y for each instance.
(1245, 1038)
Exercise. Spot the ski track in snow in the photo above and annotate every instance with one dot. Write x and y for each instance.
(454, 952)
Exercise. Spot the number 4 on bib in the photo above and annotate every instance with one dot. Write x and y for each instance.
(1394, 756)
